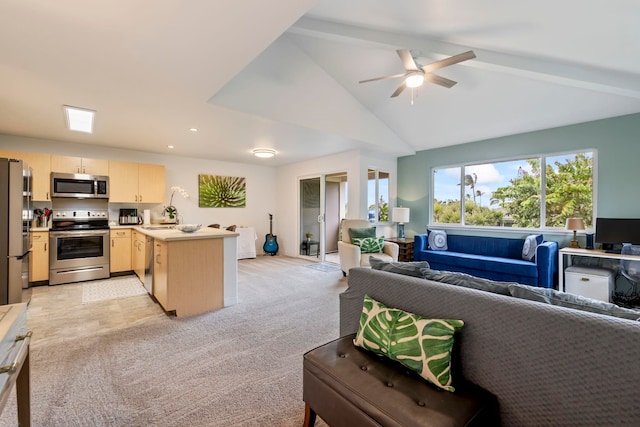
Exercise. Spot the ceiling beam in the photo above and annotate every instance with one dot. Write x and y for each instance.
(544, 69)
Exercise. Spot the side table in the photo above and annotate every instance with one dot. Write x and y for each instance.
(405, 252)
(305, 247)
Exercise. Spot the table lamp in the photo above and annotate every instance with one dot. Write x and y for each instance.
(575, 224)
(400, 215)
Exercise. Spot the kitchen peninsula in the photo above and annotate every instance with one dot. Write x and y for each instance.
(193, 272)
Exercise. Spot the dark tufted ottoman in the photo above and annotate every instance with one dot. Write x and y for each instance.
(348, 386)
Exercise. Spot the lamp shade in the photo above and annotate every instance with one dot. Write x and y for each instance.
(575, 224)
(400, 215)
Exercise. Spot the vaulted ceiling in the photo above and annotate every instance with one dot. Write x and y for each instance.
(284, 74)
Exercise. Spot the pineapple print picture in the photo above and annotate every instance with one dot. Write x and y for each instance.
(216, 191)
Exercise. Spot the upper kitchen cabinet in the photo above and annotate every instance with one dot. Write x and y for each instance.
(41, 169)
(41, 175)
(136, 182)
(66, 164)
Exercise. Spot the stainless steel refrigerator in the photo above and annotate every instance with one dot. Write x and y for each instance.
(15, 219)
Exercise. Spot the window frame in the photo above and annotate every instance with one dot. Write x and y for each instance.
(376, 178)
(543, 185)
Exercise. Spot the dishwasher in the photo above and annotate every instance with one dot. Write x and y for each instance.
(148, 265)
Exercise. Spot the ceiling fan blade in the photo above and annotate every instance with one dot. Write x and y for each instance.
(439, 80)
(449, 61)
(395, 76)
(407, 59)
(399, 90)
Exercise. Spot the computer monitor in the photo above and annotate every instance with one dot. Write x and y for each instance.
(613, 232)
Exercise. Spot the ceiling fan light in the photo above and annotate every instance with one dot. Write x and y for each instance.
(415, 80)
(264, 153)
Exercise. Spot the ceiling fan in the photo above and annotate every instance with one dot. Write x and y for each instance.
(416, 74)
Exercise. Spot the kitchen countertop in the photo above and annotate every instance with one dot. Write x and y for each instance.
(170, 234)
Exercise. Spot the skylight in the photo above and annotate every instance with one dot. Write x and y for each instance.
(79, 119)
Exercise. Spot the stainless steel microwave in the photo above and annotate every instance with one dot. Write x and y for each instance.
(79, 186)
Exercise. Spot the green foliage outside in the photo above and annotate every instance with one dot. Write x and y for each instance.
(569, 189)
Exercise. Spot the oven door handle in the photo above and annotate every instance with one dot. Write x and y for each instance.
(79, 233)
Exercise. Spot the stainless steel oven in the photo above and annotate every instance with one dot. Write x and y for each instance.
(79, 242)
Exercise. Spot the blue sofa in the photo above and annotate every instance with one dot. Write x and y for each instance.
(492, 258)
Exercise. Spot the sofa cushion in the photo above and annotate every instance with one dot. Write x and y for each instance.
(467, 262)
(578, 302)
(407, 268)
(369, 245)
(529, 246)
(467, 281)
(437, 240)
(361, 233)
(420, 344)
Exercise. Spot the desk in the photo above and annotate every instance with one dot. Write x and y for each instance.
(306, 245)
(592, 253)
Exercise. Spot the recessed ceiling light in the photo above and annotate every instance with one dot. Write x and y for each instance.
(264, 153)
(79, 119)
(170, 146)
(193, 129)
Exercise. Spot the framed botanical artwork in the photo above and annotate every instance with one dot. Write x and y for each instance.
(217, 191)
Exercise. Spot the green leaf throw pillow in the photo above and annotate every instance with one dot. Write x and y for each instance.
(369, 245)
(420, 344)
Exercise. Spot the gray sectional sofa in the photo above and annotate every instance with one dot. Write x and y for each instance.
(547, 365)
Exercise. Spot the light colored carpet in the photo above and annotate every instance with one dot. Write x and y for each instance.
(238, 366)
(118, 287)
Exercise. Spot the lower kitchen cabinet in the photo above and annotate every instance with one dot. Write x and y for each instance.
(39, 262)
(120, 252)
(138, 250)
(188, 275)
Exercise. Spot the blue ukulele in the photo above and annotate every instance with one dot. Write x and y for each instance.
(271, 242)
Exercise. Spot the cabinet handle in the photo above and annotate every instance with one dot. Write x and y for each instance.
(584, 279)
(45, 247)
(111, 242)
(47, 197)
(157, 259)
(78, 170)
(141, 198)
(136, 197)
(84, 170)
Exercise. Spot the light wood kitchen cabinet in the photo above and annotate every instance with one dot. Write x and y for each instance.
(39, 262)
(41, 175)
(120, 252)
(136, 182)
(41, 167)
(67, 164)
(188, 275)
(138, 251)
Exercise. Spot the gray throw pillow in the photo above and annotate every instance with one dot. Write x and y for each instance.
(578, 302)
(467, 281)
(437, 240)
(407, 268)
(529, 247)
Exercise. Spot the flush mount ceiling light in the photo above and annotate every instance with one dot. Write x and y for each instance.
(264, 153)
(193, 129)
(79, 119)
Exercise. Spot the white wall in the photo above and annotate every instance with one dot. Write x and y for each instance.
(355, 163)
(182, 172)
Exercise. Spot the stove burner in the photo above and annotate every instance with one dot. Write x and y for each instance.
(80, 220)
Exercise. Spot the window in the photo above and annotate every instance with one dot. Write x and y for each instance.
(535, 192)
(378, 196)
